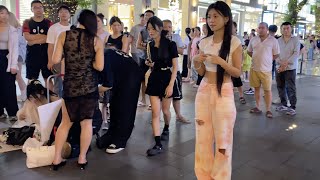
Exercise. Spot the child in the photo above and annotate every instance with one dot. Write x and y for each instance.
(246, 62)
(36, 96)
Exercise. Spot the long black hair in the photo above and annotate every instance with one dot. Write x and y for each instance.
(88, 19)
(35, 88)
(188, 31)
(223, 9)
(164, 41)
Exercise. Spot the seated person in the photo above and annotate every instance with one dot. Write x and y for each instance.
(36, 96)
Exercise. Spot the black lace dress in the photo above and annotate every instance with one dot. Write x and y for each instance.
(80, 86)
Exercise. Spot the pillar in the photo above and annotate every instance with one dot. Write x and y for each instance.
(139, 8)
(189, 14)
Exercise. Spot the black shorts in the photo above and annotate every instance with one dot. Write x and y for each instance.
(81, 107)
(158, 82)
(36, 61)
(177, 88)
(237, 82)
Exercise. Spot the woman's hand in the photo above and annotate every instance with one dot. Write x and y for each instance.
(148, 63)
(200, 58)
(13, 71)
(169, 91)
(214, 59)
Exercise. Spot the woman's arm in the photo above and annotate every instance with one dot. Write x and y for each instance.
(198, 63)
(233, 69)
(58, 51)
(126, 41)
(98, 64)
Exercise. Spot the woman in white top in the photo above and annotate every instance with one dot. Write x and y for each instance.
(22, 54)
(215, 111)
(101, 33)
(9, 52)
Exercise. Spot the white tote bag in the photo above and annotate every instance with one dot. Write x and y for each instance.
(39, 157)
(48, 114)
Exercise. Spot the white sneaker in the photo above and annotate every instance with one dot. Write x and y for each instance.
(112, 149)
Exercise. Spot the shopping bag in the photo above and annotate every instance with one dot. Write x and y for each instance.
(48, 114)
(41, 156)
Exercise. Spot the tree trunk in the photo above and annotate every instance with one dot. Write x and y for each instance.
(293, 10)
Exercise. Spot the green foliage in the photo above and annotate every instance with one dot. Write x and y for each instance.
(51, 6)
(293, 9)
(317, 16)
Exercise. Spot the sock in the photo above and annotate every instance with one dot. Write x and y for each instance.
(166, 128)
(158, 141)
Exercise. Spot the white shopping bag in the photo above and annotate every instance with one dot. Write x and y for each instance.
(31, 143)
(39, 157)
(48, 114)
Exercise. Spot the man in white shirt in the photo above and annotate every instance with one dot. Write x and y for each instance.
(167, 25)
(263, 49)
(53, 33)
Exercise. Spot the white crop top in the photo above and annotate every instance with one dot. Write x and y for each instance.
(207, 46)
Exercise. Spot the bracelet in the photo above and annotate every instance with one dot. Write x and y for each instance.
(198, 67)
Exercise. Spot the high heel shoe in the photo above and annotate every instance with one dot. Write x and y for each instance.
(83, 165)
(55, 167)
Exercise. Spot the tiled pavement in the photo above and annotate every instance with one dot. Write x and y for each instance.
(264, 149)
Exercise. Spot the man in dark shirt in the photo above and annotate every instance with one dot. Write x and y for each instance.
(35, 32)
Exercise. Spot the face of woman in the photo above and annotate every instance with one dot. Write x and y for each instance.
(153, 33)
(196, 32)
(215, 20)
(4, 16)
(116, 27)
(99, 23)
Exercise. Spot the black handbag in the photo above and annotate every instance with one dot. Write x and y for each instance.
(17, 136)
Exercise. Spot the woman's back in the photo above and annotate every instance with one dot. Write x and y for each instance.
(80, 76)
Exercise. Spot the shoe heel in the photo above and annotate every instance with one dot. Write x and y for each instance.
(55, 167)
(82, 165)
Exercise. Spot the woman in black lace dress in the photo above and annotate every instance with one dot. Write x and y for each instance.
(83, 52)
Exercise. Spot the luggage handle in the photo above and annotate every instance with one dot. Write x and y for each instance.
(48, 81)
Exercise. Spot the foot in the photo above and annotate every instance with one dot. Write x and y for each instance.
(155, 150)
(55, 167)
(195, 86)
(83, 165)
(282, 108)
(269, 114)
(165, 136)
(255, 110)
(149, 107)
(291, 112)
(249, 92)
(113, 149)
(242, 100)
(183, 120)
(186, 80)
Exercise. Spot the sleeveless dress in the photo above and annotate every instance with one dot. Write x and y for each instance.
(115, 42)
(80, 83)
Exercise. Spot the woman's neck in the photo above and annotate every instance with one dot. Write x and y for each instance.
(157, 41)
(100, 31)
(81, 26)
(218, 36)
(116, 34)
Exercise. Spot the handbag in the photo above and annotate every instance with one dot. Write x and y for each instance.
(17, 136)
(41, 156)
(147, 75)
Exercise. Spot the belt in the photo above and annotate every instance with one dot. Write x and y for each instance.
(164, 69)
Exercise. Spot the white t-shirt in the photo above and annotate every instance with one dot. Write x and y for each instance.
(207, 46)
(177, 39)
(262, 53)
(104, 35)
(54, 31)
(186, 43)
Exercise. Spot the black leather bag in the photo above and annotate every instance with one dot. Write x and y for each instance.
(17, 136)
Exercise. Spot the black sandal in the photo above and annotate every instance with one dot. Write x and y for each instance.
(242, 100)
